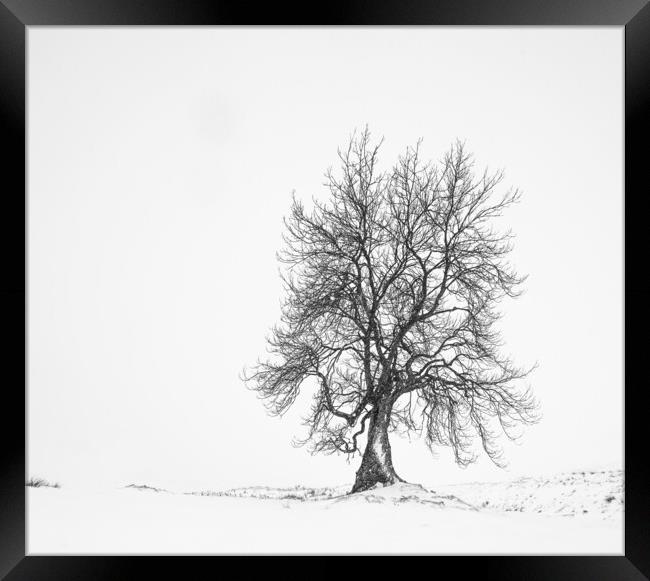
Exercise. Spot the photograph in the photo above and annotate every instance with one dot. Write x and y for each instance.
(325, 290)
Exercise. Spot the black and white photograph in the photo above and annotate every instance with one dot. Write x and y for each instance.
(335, 290)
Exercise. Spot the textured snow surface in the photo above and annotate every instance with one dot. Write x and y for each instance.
(569, 494)
(574, 513)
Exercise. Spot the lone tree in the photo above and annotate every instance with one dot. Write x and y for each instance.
(391, 288)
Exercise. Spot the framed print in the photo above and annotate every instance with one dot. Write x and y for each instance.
(352, 284)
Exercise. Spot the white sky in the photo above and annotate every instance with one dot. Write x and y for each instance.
(161, 161)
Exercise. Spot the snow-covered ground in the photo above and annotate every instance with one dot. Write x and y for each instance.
(598, 494)
(573, 513)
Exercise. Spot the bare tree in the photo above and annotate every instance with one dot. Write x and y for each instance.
(391, 287)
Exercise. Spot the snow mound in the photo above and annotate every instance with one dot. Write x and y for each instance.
(570, 494)
(401, 493)
(405, 493)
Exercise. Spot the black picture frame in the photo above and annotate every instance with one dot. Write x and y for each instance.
(16, 15)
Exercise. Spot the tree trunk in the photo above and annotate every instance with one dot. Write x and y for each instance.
(377, 463)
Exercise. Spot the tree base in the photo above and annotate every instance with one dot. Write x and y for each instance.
(377, 464)
(367, 481)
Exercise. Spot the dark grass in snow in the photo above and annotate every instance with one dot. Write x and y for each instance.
(41, 482)
(145, 487)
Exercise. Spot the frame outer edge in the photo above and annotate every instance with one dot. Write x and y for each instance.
(12, 290)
